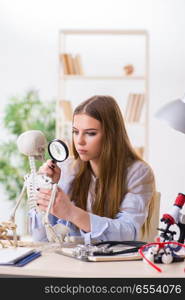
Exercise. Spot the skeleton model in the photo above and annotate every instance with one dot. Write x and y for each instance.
(33, 143)
(5, 227)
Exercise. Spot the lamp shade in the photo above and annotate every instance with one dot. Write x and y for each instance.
(174, 114)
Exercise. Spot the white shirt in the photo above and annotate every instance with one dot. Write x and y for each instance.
(133, 208)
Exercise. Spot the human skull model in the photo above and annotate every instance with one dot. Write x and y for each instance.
(32, 143)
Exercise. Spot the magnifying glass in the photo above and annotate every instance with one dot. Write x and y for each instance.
(58, 150)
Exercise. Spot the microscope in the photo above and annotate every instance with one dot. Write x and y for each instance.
(174, 216)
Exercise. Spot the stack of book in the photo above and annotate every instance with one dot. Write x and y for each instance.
(134, 107)
(71, 64)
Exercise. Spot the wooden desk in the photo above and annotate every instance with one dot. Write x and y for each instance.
(51, 264)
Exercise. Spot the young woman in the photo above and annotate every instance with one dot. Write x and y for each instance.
(106, 191)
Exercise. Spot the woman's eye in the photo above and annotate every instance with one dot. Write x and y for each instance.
(91, 133)
(88, 133)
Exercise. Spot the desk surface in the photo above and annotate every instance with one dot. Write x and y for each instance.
(52, 264)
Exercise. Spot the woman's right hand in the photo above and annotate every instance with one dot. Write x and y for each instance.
(50, 169)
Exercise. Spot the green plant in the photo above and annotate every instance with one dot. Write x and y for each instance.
(22, 114)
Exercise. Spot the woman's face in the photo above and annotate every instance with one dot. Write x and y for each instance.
(87, 137)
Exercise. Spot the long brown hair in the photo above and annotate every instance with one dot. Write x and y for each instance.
(116, 156)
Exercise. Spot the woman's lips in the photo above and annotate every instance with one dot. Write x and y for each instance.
(82, 151)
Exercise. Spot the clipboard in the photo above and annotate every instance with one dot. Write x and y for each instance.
(121, 257)
(80, 252)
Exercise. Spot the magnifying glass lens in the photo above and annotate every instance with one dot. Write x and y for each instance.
(58, 150)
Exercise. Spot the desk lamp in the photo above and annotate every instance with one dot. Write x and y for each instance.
(174, 114)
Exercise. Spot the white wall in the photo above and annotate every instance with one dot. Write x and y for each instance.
(29, 53)
(167, 82)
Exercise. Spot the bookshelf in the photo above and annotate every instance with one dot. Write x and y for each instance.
(109, 62)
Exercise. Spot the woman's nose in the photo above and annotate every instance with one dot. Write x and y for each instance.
(81, 139)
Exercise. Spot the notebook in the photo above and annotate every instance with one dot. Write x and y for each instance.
(9, 256)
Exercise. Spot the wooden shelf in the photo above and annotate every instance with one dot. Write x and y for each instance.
(103, 32)
(136, 83)
(88, 77)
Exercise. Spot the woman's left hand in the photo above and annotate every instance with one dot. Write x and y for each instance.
(62, 207)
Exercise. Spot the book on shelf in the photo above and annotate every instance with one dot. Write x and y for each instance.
(140, 104)
(67, 109)
(78, 65)
(72, 65)
(63, 59)
(134, 107)
(128, 108)
(70, 61)
(67, 63)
